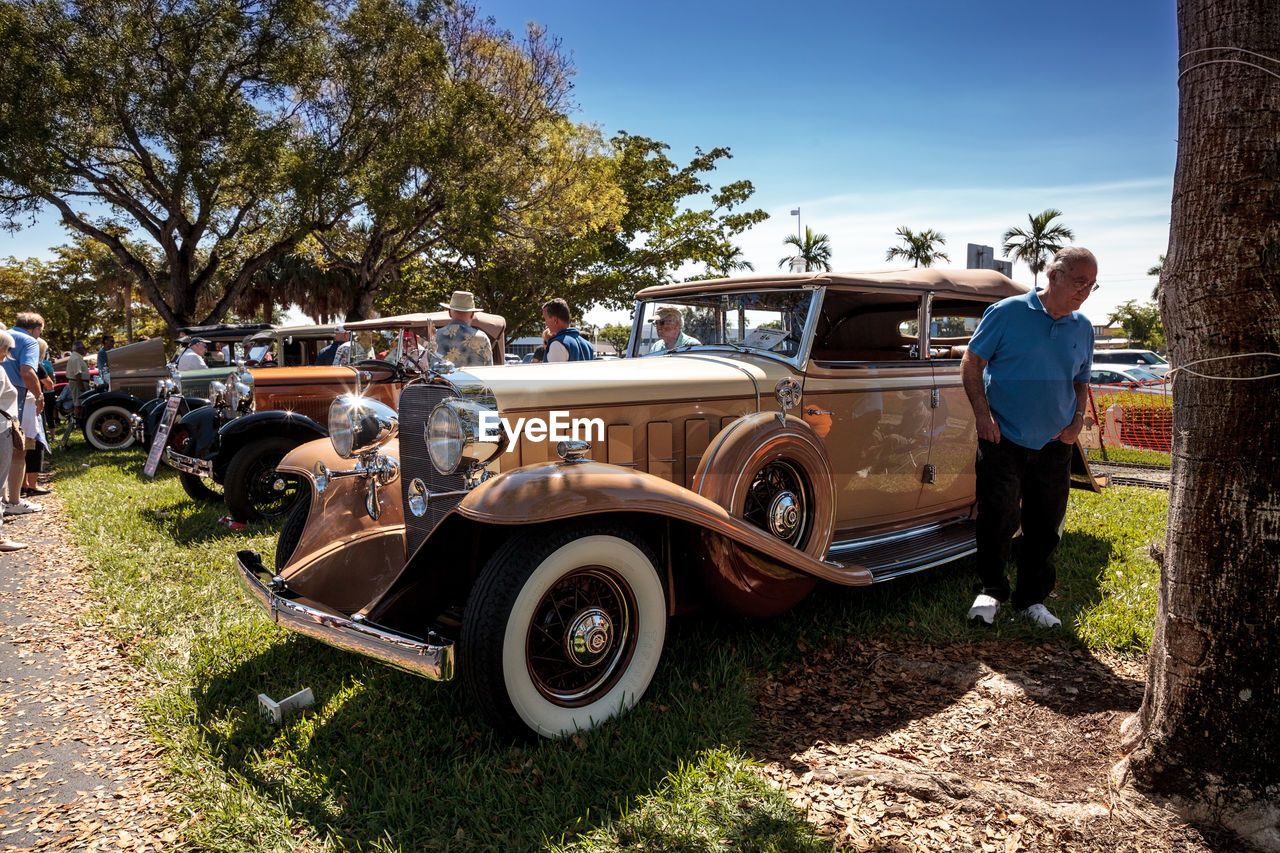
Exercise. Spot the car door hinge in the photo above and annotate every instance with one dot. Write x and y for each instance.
(930, 474)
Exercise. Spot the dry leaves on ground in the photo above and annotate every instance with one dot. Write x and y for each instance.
(995, 747)
(80, 770)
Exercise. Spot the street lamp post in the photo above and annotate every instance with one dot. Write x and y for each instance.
(796, 213)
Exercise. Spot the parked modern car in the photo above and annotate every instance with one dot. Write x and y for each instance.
(1128, 377)
(231, 450)
(532, 528)
(1135, 357)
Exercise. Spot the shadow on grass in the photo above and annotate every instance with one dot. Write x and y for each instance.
(389, 758)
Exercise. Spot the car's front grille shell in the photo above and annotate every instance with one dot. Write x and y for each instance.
(416, 402)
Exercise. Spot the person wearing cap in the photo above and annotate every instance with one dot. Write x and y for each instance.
(667, 324)
(565, 342)
(328, 356)
(192, 357)
(458, 341)
(77, 372)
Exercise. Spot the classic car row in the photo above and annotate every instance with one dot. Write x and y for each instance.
(817, 431)
(227, 447)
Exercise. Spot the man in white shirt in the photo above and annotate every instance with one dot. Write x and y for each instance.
(193, 357)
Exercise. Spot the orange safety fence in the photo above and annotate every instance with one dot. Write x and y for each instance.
(1136, 415)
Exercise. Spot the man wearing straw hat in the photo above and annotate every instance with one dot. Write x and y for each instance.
(459, 342)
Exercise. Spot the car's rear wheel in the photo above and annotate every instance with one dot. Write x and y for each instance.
(108, 428)
(253, 489)
(563, 630)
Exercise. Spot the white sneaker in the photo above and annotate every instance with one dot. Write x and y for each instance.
(22, 507)
(984, 609)
(1040, 615)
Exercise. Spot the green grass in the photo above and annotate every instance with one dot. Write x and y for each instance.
(1133, 455)
(387, 761)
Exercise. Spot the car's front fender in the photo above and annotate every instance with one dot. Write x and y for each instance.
(236, 433)
(111, 398)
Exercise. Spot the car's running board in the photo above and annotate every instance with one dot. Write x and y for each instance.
(907, 551)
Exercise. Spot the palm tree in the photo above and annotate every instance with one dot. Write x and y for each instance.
(1156, 271)
(1035, 246)
(814, 251)
(728, 259)
(919, 248)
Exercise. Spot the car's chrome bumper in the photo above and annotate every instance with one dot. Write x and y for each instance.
(431, 659)
(189, 464)
(138, 427)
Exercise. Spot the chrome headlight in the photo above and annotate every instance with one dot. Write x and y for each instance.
(358, 425)
(217, 393)
(240, 390)
(462, 430)
(165, 387)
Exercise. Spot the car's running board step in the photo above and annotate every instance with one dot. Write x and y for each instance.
(907, 551)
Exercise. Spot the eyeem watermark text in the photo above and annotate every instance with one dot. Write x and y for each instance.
(537, 429)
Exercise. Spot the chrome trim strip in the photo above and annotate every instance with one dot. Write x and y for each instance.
(189, 464)
(909, 533)
(888, 576)
(431, 660)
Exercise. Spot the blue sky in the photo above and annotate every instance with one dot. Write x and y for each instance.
(961, 117)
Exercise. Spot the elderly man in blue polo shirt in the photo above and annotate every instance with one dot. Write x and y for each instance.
(1026, 374)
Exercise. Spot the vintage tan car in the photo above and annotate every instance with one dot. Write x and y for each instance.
(813, 430)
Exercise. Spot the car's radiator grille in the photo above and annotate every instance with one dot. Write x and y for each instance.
(416, 403)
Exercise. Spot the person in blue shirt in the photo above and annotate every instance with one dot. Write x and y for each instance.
(565, 342)
(1026, 373)
(20, 366)
(327, 356)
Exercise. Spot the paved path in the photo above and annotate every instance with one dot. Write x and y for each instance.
(77, 768)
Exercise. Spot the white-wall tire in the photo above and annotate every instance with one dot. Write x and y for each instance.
(563, 630)
(108, 428)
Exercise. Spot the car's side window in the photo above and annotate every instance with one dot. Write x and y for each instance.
(860, 327)
(951, 325)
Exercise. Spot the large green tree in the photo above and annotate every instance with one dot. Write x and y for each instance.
(1035, 244)
(812, 253)
(199, 124)
(468, 140)
(228, 132)
(1141, 324)
(921, 249)
(620, 217)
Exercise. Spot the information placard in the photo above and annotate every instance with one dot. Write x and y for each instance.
(162, 435)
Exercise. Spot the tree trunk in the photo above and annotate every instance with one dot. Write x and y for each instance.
(1207, 738)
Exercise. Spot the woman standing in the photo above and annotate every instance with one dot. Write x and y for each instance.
(10, 433)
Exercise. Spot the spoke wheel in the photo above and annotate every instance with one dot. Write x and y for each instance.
(254, 490)
(582, 636)
(777, 501)
(108, 428)
(563, 630)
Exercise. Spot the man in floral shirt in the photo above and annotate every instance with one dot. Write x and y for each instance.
(459, 342)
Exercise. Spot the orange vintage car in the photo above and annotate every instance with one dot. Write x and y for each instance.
(531, 528)
(229, 450)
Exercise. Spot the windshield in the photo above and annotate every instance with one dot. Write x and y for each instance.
(1141, 374)
(765, 321)
(1152, 358)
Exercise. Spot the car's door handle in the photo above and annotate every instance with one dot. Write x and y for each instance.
(814, 410)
